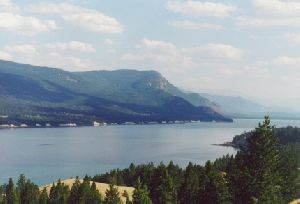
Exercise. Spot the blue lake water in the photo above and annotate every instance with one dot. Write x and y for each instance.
(46, 154)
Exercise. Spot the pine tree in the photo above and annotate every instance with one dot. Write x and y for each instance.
(255, 176)
(167, 190)
(141, 194)
(84, 191)
(43, 197)
(2, 194)
(30, 194)
(289, 172)
(59, 194)
(11, 194)
(216, 189)
(74, 193)
(27, 191)
(94, 197)
(112, 195)
(189, 192)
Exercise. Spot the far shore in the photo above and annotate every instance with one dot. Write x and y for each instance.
(74, 125)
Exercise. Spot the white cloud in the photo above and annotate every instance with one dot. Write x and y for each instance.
(73, 46)
(25, 25)
(88, 19)
(223, 51)
(54, 59)
(281, 63)
(279, 7)
(156, 44)
(284, 60)
(198, 8)
(37, 55)
(159, 54)
(8, 6)
(267, 22)
(167, 56)
(273, 13)
(293, 38)
(109, 41)
(12, 20)
(5, 56)
(23, 49)
(190, 25)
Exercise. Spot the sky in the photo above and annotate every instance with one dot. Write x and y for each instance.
(231, 47)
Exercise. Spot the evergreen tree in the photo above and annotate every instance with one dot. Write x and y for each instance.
(27, 191)
(59, 194)
(167, 190)
(112, 195)
(75, 192)
(289, 173)
(21, 183)
(215, 190)
(43, 197)
(2, 194)
(141, 194)
(94, 197)
(11, 194)
(189, 192)
(84, 193)
(255, 176)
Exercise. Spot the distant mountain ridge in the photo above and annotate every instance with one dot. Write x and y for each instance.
(34, 94)
(237, 106)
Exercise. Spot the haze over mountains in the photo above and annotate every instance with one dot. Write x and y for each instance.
(237, 106)
(47, 95)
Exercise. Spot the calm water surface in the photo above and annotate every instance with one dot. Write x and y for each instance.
(46, 154)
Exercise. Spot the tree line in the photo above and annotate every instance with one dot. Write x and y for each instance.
(262, 172)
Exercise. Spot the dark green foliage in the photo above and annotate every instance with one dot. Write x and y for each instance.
(59, 193)
(2, 194)
(288, 167)
(141, 194)
(286, 135)
(222, 163)
(192, 184)
(11, 196)
(112, 195)
(215, 189)
(169, 184)
(43, 197)
(298, 184)
(84, 193)
(94, 197)
(29, 193)
(75, 192)
(257, 175)
(166, 191)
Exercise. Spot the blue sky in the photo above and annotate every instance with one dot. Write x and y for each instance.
(249, 48)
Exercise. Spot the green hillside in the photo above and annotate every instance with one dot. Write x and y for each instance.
(39, 94)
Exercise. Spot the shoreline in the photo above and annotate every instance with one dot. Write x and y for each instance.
(114, 124)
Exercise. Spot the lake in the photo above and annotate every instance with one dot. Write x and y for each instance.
(46, 154)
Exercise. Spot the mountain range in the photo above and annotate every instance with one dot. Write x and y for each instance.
(240, 107)
(31, 94)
